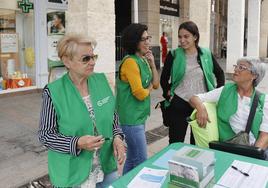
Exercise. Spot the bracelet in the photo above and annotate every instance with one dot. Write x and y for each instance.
(118, 136)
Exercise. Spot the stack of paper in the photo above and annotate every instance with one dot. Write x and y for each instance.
(148, 178)
(243, 174)
(183, 175)
(199, 158)
(191, 167)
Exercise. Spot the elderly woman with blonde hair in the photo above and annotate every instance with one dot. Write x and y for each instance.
(234, 101)
(78, 123)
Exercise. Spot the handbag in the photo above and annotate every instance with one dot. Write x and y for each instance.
(203, 136)
(165, 107)
(242, 137)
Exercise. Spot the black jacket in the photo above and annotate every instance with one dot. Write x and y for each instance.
(165, 76)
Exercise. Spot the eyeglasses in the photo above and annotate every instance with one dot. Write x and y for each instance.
(148, 38)
(85, 59)
(241, 68)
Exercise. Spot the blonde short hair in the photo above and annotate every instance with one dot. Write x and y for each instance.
(68, 44)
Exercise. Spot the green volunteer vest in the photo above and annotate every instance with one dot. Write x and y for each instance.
(73, 119)
(227, 106)
(179, 67)
(132, 111)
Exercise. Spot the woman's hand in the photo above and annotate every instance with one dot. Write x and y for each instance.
(262, 141)
(202, 116)
(119, 150)
(90, 143)
(150, 87)
(150, 58)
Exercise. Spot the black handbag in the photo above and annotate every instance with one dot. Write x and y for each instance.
(242, 137)
(165, 112)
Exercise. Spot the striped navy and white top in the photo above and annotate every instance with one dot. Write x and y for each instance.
(48, 129)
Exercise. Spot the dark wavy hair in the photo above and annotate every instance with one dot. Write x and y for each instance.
(131, 37)
(192, 28)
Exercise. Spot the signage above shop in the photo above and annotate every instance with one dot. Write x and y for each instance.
(25, 6)
(169, 8)
(57, 4)
(58, 1)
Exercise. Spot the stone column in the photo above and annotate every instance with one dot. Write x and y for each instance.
(135, 5)
(235, 32)
(96, 19)
(149, 14)
(254, 21)
(40, 25)
(200, 13)
(175, 27)
(264, 29)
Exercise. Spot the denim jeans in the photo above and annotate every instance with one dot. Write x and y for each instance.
(136, 146)
(108, 180)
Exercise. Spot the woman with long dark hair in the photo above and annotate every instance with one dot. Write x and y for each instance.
(188, 70)
(137, 77)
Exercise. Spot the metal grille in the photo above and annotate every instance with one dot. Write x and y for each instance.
(156, 134)
(119, 52)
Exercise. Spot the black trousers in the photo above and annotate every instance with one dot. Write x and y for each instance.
(179, 111)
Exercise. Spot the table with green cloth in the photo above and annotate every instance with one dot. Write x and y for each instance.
(223, 162)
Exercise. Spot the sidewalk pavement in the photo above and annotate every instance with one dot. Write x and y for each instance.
(22, 157)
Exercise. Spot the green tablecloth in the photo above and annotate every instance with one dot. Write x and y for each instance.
(223, 161)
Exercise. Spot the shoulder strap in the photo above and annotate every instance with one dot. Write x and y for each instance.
(252, 111)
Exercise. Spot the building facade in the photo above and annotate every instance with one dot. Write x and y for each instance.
(29, 33)
(30, 30)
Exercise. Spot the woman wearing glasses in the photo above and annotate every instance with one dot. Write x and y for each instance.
(78, 124)
(234, 102)
(188, 69)
(137, 77)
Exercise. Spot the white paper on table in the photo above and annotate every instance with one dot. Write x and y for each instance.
(148, 177)
(258, 176)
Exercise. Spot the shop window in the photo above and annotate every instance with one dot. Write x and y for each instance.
(55, 31)
(16, 48)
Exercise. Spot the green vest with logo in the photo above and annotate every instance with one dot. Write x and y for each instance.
(73, 119)
(227, 106)
(179, 67)
(131, 110)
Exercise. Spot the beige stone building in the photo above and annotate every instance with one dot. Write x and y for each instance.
(28, 39)
(242, 23)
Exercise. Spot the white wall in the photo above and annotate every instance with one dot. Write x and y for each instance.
(8, 4)
(264, 29)
(96, 19)
(235, 32)
(200, 13)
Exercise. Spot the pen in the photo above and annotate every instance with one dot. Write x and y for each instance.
(244, 173)
(107, 138)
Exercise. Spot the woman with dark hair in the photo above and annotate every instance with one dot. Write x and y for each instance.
(188, 70)
(137, 77)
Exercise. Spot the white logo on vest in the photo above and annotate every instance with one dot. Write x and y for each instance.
(103, 101)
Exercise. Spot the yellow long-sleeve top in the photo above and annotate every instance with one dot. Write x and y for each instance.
(130, 73)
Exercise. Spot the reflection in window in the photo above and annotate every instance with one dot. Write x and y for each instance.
(16, 49)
